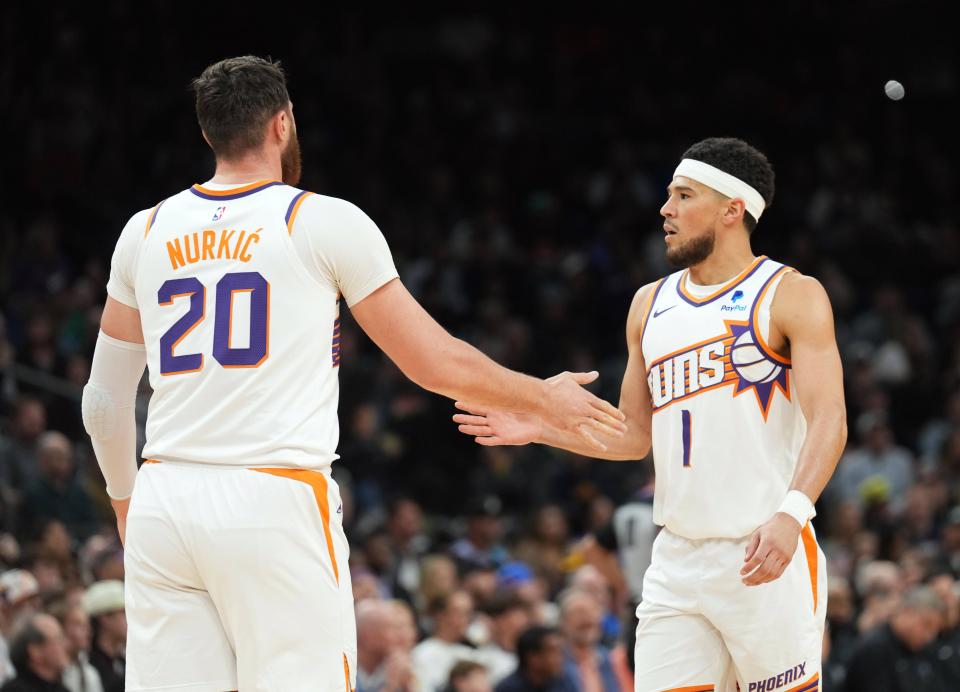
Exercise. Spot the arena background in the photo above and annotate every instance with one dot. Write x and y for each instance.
(515, 162)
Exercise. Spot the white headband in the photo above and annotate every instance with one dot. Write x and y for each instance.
(724, 183)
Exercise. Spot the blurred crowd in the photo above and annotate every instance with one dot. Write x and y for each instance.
(517, 172)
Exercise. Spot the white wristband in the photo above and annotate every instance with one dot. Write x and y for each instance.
(798, 506)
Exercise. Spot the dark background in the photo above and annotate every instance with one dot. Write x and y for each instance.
(516, 163)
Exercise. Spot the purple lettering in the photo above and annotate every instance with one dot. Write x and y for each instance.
(779, 680)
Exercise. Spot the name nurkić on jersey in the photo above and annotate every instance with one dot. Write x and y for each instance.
(212, 245)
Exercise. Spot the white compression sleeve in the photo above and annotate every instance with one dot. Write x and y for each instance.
(109, 416)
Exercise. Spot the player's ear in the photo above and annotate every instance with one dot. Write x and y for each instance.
(733, 211)
(206, 139)
(281, 124)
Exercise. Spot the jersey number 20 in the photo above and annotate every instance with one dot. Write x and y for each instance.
(229, 357)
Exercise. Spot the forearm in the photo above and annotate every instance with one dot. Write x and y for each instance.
(822, 447)
(633, 445)
(459, 371)
(108, 409)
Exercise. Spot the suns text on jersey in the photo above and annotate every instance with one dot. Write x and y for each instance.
(684, 374)
(209, 244)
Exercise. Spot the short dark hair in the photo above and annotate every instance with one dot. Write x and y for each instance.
(531, 642)
(462, 669)
(26, 635)
(739, 159)
(235, 98)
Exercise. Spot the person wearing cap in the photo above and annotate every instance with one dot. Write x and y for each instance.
(104, 603)
(734, 380)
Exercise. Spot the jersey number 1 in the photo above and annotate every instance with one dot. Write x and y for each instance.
(229, 357)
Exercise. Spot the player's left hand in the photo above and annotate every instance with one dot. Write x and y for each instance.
(770, 550)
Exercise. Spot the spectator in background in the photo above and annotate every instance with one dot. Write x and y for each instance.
(469, 676)
(586, 663)
(103, 602)
(405, 625)
(18, 449)
(509, 616)
(841, 614)
(79, 675)
(518, 578)
(38, 652)
(438, 577)
(546, 545)
(434, 657)
(880, 585)
(878, 469)
(540, 667)
(943, 583)
(481, 545)
(20, 594)
(950, 539)
(589, 579)
(408, 545)
(56, 493)
(891, 658)
(382, 666)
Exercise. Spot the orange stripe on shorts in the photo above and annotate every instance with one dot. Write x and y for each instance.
(810, 548)
(317, 481)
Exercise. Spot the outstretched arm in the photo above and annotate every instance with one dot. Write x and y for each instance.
(431, 357)
(498, 427)
(801, 313)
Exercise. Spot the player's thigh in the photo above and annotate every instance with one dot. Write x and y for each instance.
(679, 651)
(774, 632)
(174, 636)
(281, 583)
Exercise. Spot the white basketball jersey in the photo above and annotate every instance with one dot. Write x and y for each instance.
(241, 323)
(727, 426)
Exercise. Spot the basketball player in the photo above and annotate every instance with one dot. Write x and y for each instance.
(734, 376)
(229, 291)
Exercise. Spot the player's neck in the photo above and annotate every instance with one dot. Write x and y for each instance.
(249, 169)
(722, 265)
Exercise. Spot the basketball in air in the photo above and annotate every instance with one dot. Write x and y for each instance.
(894, 90)
(748, 361)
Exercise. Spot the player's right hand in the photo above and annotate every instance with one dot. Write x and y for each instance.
(572, 408)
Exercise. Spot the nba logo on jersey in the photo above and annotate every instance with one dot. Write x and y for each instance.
(219, 213)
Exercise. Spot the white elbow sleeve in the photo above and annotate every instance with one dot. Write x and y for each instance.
(108, 410)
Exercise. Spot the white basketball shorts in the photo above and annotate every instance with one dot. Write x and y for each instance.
(237, 579)
(700, 629)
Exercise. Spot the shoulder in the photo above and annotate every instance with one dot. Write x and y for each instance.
(643, 297)
(325, 212)
(800, 300)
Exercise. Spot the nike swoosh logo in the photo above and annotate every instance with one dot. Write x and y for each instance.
(657, 313)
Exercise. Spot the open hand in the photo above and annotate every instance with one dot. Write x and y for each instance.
(770, 550)
(493, 428)
(572, 408)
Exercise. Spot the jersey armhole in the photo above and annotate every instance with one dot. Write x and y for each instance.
(649, 309)
(760, 320)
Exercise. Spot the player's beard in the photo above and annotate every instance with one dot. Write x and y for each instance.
(693, 251)
(290, 161)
